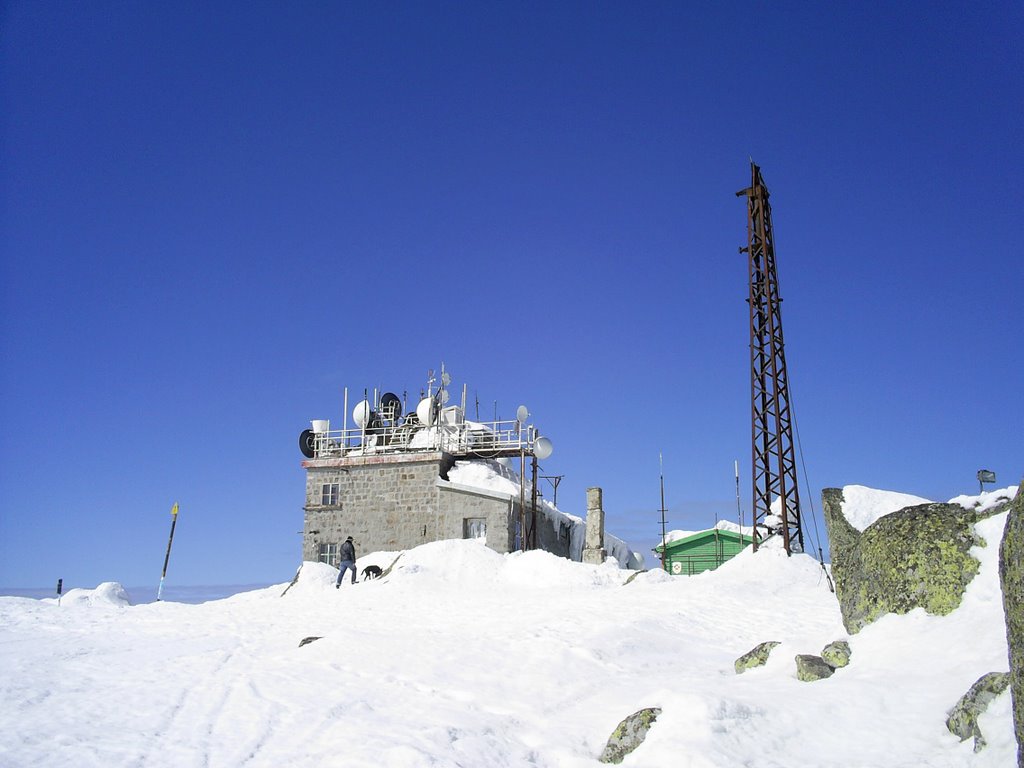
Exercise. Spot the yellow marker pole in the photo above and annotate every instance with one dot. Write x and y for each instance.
(167, 557)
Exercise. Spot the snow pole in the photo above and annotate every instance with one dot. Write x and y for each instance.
(167, 557)
(60, 589)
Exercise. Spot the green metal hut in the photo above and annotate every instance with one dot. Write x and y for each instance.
(702, 551)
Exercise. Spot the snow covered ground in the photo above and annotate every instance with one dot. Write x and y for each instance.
(464, 657)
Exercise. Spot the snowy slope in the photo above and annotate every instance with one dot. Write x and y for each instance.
(464, 657)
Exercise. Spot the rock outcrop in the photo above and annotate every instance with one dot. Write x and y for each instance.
(1011, 577)
(917, 557)
(963, 718)
(629, 734)
(755, 657)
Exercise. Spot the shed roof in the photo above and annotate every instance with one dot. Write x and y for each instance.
(721, 533)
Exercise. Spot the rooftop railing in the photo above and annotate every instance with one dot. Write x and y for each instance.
(460, 438)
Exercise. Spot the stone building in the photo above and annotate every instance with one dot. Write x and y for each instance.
(394, 482)
(393, 502)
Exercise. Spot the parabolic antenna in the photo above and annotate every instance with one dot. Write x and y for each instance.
(443, 396)
(362, 414)
(522, 414)
(425, 411)
(542, 448)
(307, 443)
(446, 379)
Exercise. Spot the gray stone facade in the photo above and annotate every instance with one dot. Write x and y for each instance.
(396, 502)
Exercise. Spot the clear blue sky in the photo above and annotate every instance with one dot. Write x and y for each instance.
(215, 216)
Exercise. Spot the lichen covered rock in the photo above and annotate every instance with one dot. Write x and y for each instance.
(1011, 577)
(629, 734)
(756, 657)
(810, 668)
(836, 654)
(963, 718)
(917, 557)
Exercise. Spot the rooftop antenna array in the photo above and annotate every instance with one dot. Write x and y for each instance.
(774, 458)
(383, 424)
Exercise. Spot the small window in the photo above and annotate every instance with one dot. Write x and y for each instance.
(474, 528)
(329, 554)
(329, 493)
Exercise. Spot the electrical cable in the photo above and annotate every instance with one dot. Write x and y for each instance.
(810, 499)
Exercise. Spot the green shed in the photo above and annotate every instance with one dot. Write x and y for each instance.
(702, 551)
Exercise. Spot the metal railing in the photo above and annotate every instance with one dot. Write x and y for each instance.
(495, 438)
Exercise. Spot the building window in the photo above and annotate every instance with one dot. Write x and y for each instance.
(329, 554)
(329, 493)
(474, 528)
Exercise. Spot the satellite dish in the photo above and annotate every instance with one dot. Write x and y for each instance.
(362, 414)
(391, 406)
(442, 396)
(542, 448)
(425, 411)
(446, 379)
(307, 443)
(522, 414)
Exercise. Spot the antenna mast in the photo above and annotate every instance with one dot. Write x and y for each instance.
(774, 460)
(664, 545)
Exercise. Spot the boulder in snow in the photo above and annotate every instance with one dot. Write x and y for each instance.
(810, 668)
(629, 734)
(836, 654)
(918, 556)
(963, 718)
(756, 657)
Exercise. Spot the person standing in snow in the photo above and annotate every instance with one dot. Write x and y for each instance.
(348, 560)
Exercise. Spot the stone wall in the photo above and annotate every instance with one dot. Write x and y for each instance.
(457, 503)
(392, 503)
(384, 504)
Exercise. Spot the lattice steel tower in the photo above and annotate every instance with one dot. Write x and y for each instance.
(774, 459)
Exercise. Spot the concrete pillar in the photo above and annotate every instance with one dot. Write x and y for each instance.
(593, 550)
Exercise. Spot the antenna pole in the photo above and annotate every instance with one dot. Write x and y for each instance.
(344, 423)
(739, 509)
(533, 505)
(167, 557)
(664, 543)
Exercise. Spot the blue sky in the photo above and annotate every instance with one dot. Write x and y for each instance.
(215, 216)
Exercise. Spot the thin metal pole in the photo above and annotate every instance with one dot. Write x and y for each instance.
(167, 557)
(739, 509)
(533, 507)
(664, 542)
(522, 493)
(344, 424)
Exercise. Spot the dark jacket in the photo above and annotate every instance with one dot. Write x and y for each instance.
(347, 552)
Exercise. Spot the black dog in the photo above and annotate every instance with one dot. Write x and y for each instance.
(371, 572)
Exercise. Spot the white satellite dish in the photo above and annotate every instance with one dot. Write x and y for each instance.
(446, 379)
(522, 414)
(425, 411)
(361, 414)
(542, 448)
(444, 396)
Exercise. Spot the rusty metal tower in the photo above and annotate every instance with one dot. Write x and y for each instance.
(774, 458)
